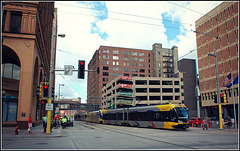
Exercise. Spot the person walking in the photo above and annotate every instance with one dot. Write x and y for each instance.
(44, 123)
(30, 124)
(204, 123)
(57, 119)
(229, 122)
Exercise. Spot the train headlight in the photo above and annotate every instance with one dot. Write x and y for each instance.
(180, 121)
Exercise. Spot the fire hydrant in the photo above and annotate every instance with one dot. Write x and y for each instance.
(16, 130)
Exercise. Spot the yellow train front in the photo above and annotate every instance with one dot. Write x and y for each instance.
(167, 116)
(94, 116)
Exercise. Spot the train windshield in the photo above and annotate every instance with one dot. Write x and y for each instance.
(181, 112)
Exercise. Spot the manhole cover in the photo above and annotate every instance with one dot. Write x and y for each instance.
(41, 143)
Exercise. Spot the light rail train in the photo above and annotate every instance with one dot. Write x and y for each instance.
(166, 116)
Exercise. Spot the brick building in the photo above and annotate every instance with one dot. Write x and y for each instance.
(218, 30)
(116, 61)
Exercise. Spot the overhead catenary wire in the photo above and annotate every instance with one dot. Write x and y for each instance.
(147, 17)
(131, 21)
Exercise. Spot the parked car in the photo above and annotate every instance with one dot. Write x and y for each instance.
(196, 121)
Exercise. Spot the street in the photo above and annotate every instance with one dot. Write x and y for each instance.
(99, 136)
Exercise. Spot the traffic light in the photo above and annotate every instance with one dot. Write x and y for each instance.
(44, 102)
(81, 68)
(215, 98)
(225, 98)
(45, 90)
(39, 91)
(222, 98)
(52, 91)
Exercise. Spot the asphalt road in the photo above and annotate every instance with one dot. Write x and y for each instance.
(99, 136)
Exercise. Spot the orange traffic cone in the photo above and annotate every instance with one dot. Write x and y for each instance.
(192, 125)
(201, 125)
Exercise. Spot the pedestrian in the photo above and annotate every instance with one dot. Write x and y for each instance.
(204, 123)
(57, 119)
(44, 123)
(229, 121)
(30, 124)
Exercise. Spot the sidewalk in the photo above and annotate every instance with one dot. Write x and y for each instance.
(8, 132)
(215, 130)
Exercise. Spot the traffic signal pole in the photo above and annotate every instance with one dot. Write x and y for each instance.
(50, 81)
(218, 89)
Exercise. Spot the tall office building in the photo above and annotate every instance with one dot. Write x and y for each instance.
(116, 61)
(164, 61)
(218, 30)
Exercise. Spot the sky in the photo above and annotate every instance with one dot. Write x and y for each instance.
(129, 24)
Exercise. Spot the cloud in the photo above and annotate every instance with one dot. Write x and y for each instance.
(99, 10)
(120, 25)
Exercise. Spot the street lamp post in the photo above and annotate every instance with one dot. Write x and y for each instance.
(59, 96)
(51, 76)
(218, 89)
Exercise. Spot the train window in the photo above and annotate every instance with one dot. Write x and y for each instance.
(135, 116)
(150, 116)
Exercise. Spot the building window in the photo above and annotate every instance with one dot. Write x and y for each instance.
(126, 69)
(105, 51)
(136, 65)
(134, 59)
(11, 71)
(115, 68)
(105, 56)
(134, 53)
(236, 36)
(16, 20)
(134, 70)
(126, 53)
(227, 38)
(142, 70)
(115, 74)
(141, 59)
(105, 79)
(232, 9)
(234, 22)
(134, 75)
(105, 68)
(103, 62)
(226, 26)
(115, 52)
(225, 14)
(126, 74)
(4, 20)
(105, 74)
(115, 58)
(141, 54)
(126, 58)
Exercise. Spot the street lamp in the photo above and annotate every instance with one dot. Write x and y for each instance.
(218, 94)
(59, 91)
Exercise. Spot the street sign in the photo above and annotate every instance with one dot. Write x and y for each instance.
(126, 93)
(126, 85)
(68, 70)
(124, 101)
(49, 106)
